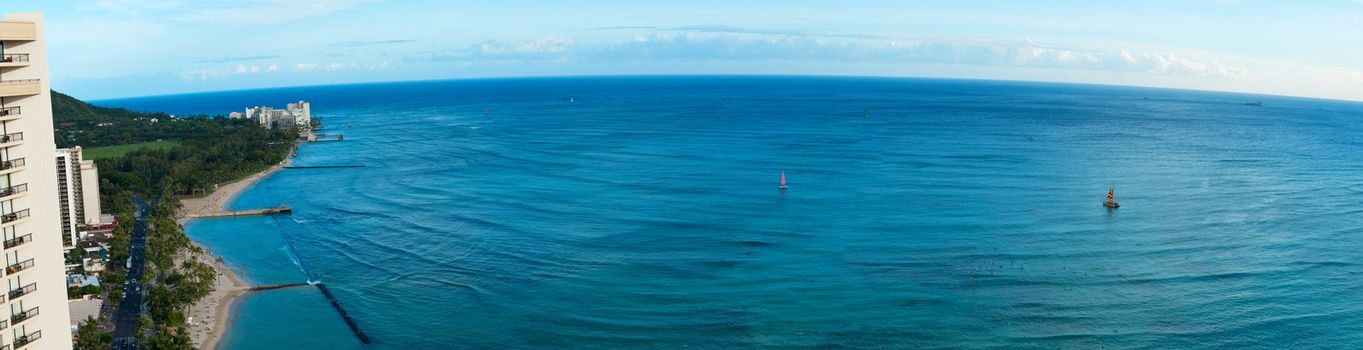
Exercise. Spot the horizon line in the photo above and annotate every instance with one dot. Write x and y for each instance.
(718, 75)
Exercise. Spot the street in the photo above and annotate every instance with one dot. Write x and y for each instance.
(131, 307)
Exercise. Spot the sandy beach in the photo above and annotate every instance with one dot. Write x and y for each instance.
(210, 314)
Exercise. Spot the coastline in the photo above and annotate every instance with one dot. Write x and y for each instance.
(209, 315)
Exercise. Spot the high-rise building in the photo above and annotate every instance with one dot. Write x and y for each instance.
(294, 115)
(70, 195)
(89, 179)
(33, 314)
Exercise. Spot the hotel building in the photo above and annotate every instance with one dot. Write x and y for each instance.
(77, 193)
(294, 115)
(34, 309)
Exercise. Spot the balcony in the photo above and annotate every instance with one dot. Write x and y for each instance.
(19, 266)
(8, 140)
(4, 324)
(18, 30)
(20, 317)
(27, 339)
(14, 60)
(12, 217)
(9, 113)
(13, 190)
(7, 166)
(24, 87)
(18, 241)
(22, 291)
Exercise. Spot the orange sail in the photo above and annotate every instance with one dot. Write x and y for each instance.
(1111, 202)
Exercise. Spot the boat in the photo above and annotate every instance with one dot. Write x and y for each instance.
(1255, 103)
(1111, 202)
(782, 186)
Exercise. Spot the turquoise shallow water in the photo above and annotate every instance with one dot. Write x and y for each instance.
(642, 213)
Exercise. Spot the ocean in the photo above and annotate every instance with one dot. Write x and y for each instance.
(644, 213)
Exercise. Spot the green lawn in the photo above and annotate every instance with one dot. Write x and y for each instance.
(118, 151)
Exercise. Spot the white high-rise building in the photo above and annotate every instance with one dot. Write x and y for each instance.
(71, 194)
(297, 114)
(34, 312)
(89, 184)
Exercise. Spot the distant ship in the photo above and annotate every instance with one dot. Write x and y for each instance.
(1111, 202)
(1255, 103)
(783, 180)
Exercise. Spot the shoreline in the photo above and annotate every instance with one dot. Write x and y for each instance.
(210, 315)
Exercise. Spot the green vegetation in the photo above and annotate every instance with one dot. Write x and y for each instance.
(74, 292)
(215, 150)
(77, 123)
(221, 150)
(89, 337)
(118, 151)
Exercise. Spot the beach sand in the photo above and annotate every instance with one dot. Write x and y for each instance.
(211, 313)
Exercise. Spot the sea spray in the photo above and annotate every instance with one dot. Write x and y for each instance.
(312, 280)
(292, 250)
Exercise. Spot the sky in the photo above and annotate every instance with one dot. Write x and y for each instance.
(102, 49)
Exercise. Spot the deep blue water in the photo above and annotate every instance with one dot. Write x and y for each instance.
(642, 212)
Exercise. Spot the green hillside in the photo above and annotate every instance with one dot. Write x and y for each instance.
(77, 123)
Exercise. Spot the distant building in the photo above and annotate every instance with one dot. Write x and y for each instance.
(81, 309)
(71, 194)
(82, 280)
(294, 115)
(89, 185)
(93, 255)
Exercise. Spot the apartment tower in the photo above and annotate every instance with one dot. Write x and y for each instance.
(70, 195)
(34, 314)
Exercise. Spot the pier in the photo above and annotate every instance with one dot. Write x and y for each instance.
(326, 138)
(350, 322)
(276, 286)
(249, 212)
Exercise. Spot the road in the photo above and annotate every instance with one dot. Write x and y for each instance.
(133, 304)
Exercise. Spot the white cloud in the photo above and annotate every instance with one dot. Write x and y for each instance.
(339, 66)
(707, 47)
(1127, 57)
(541, 46)
(220, 72)
(1173, 64)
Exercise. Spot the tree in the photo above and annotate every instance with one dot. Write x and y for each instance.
(167, 338)
(90, 337)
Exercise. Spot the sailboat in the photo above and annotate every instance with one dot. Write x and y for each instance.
(782, 186)
(1111, 202)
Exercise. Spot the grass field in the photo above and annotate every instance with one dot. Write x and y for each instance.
(118, 151)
